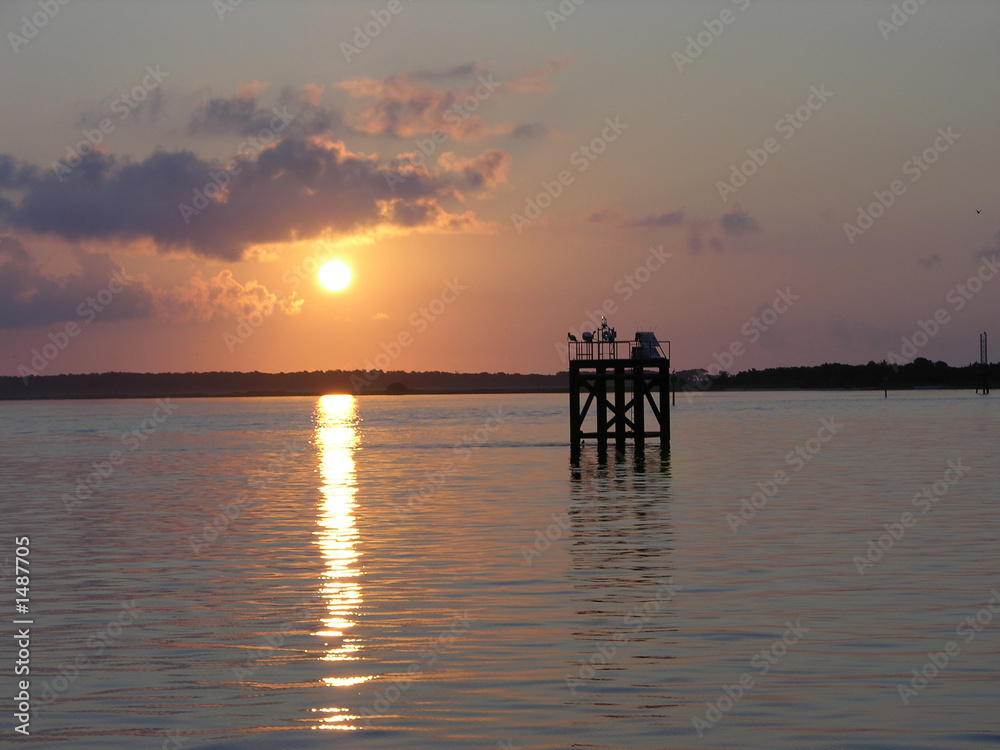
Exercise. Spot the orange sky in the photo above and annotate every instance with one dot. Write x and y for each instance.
(797, 182)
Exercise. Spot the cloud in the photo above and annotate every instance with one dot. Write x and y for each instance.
(484, 171)
(28, 297)
(672, 219)
(530, 130)
(606, 215)
(313, 94)
(696, 228)
(700, 231)
(428, 214)
(251, 89)
(295, 189)
(929, 261)
(223, 296)
(458, 71)
(613, 215)
(16, 176)
(244, 115)
(735, 223)
(405, 105)
(738, 223)
(537, 79)
(988, 252)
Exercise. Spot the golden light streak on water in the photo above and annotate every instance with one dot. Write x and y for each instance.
(336, 438)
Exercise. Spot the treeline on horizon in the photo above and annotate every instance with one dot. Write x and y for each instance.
(921, 373)
(315, 383)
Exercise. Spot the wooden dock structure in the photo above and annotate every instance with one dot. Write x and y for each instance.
(618, 379)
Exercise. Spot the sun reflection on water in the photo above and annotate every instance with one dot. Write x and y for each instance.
(336, 440)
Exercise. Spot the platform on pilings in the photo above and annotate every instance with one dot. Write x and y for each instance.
(615, 381)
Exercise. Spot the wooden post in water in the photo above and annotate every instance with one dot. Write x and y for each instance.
(639, 406)
(575, 417)
(601, 389)
(620, 409)
(665, 407)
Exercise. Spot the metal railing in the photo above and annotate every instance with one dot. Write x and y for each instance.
(618, 349)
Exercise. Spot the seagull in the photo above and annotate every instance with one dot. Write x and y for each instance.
(571, 337)
(979, 210)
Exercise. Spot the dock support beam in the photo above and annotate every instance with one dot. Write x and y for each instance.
(620, 415)
(664, 407)
(601, 389)
(620, 410)
(575, 417)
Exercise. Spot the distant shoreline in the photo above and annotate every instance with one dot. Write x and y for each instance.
(874, 376)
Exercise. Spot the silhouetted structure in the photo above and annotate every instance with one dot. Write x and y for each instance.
(983, 371)
(632, 370)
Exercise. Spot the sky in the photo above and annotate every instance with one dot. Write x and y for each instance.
(761, 183)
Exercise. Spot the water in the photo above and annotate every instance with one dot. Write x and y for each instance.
(432, 572)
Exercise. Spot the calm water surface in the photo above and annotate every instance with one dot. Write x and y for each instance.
(432, 572)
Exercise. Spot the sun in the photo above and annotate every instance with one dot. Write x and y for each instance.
(334, 275)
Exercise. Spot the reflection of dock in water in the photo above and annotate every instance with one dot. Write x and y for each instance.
(620, 549)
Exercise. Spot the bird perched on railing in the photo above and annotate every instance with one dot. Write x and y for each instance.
(571, 337)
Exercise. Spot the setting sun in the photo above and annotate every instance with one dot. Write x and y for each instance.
(335, 275)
